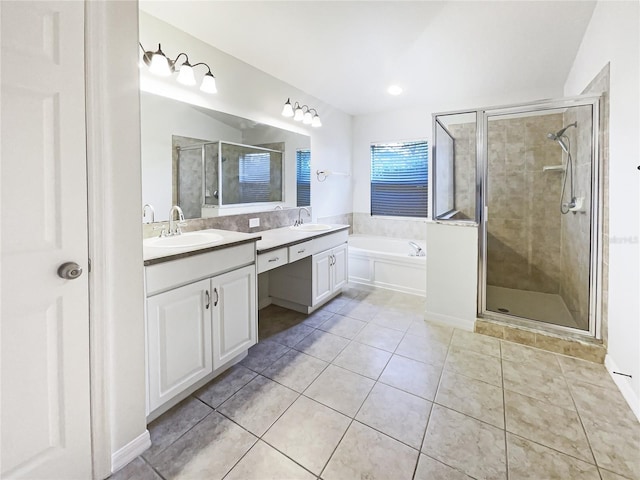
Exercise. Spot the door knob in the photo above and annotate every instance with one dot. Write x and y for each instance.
(69, 270)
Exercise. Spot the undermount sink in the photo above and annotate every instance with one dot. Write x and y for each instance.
(311, 227)
(189, 239)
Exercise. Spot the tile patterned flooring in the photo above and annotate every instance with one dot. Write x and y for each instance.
(366, 389)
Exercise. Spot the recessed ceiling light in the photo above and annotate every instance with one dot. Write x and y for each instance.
(394, 90)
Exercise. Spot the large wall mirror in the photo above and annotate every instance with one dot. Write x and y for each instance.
(211, 163)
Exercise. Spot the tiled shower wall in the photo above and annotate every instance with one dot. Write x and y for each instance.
(464, 135)
(524, 234)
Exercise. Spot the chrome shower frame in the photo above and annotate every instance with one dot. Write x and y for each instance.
(595, 267)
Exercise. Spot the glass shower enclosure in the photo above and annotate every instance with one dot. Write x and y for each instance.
(529, 175)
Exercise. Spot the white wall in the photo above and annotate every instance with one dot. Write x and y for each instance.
(248, 92)
(613, 35)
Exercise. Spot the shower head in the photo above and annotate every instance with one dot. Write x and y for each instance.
(560, 133)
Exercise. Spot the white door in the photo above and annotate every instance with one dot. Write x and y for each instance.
(234, 313)
(321, 271)
(45, 319)
(179, 340)
(340, 267)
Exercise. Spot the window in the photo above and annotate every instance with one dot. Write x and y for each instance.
(399, 179)
(254, 175)
(303, 178)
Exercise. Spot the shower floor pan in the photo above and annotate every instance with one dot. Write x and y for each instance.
(544, 307)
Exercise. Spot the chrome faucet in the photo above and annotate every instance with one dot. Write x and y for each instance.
(278, 207)
(144, 212)
(418, 249)
(299, 221)
(174, 227)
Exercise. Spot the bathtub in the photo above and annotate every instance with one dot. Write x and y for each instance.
(387, 263)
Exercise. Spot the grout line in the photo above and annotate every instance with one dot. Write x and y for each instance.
(152, 467)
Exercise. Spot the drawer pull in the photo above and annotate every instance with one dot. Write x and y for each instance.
(274, 259)
(301, 251)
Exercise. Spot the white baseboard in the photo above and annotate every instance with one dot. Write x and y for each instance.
(623, 385)
(449, 321)
(130, 451)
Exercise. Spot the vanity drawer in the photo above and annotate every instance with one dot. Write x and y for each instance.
(270, 260)
(300, 250)
(320, 244)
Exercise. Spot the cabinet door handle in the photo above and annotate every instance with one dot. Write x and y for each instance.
(206, 292)
(274, 259)
(215, 303)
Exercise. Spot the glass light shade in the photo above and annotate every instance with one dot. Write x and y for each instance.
(209, 84)
(316, 121)
(307, 118)
(287, 110)
(159, 65)
(185, 75)
(299, 114)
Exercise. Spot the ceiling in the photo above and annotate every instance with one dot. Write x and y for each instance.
(346, 53)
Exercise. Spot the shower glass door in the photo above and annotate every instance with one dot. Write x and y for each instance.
(539, 235)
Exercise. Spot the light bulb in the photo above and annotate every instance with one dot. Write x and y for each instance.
(185, 75)
(287, 110)
(159, 64)
(307, 118)
(316, 121)
(299, 114)
(209, 83)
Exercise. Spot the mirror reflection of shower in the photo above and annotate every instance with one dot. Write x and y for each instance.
(565, 144)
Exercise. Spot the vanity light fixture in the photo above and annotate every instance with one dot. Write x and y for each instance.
(160, 64)
(301, 113)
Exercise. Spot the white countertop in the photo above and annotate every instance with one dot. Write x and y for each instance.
(285, 236)
(153, 255)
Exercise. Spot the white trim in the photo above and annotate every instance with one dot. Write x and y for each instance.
(450, 321)
(96, 197)
(623, 385)
(130, 451)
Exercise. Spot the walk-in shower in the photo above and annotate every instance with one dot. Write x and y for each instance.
(529, 176)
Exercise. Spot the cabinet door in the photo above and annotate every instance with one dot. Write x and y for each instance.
(179, 341)
(339, 268)
(322, 281)
(234, 313)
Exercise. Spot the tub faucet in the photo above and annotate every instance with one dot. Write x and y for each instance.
(299, 221)
(418, 249)
(174, 227)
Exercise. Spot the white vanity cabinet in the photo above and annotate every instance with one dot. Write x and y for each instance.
(329, 270)
(306, 283)
(201, 316)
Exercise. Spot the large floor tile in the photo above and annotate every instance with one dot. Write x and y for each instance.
(136, 470)
(343, 326)
(408, 302)
(546, 385)
(264, 463)
(363, 359)
(396, 319)
(174, 423)
(360, 310)
(475, 365)
(532, 357)
(476, 342)
(431, 469)
(398, 414)
(308, 433)
(412, 376)
(258, 404)
(466, 444)
(223, 386)
(323, 345)
(367, 454)
(425, 329)
(379, 337)
(295, 370)
(472, 397)
(607, 475)
(616, 446)
(292, 335)
(317, 318)
(583, 371)
(340, 389)
(209, 450)
(263, 354)
(337, 304)
(529, 460)
(423, 349)
(592, 400)
(547, 424)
